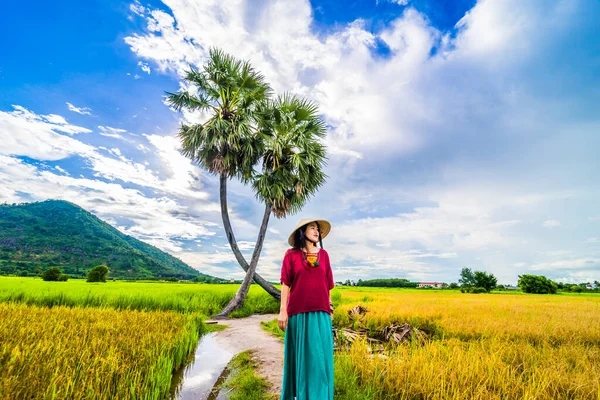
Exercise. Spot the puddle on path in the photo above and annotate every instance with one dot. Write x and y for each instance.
(197, 378)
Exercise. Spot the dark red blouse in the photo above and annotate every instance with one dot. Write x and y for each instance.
(309, 285)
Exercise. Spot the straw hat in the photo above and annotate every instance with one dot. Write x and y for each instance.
(324, 228)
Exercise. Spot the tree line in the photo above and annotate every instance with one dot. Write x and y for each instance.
(482, 282)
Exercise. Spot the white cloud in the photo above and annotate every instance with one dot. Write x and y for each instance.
(551, 223)
(208, 263)
(114, 133)
(182, 177)
(143, 148)
(244, 245)
(137, 8)
(61, 170)
(21, 128)
(79, 110)
(144, 66)
(568, 264)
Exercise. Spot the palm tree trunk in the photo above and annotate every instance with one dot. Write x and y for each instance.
(272, 290)
(240, 296)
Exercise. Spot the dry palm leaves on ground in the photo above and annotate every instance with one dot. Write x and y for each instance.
(395, 333)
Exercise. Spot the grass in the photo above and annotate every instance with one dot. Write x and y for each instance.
(534, 318)
(497, 346)
(147, 296)
(273, 328)
(489, 346)
(64, 353)
(483, 347)
(491, 369)
(117, 339)
(209, 328)
(243, 383)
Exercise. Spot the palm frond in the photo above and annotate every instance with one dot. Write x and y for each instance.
(186, 100)
(294, 156)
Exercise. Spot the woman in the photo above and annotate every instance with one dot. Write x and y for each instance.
(305, 314)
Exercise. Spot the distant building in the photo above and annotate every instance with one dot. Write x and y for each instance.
(511, 287)
(437, 285)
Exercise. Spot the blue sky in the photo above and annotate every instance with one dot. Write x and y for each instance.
(462, 133)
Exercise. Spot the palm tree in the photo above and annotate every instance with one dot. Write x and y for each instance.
(289, 129)
(226, 145)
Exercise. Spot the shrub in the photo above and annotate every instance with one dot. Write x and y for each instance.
(477, 279)
(97, 274)
(576, 289)
(52, 274)
(485, 281)
(537, 284)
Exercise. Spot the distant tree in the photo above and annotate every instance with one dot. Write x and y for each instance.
(387, 282)
(467, 278)
(477, 279)
(537, 284)
(485, 280)
(576, 289)
(23, 273)
(52, 274)
(97, 274)
(453, 285)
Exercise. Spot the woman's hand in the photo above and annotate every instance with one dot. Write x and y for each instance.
(282, 320)
(283, 315)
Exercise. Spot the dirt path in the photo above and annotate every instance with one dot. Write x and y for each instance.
(246, 333)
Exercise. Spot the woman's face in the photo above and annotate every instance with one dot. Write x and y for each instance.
(312, 231)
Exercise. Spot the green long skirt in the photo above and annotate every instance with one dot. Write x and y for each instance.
(308, 357)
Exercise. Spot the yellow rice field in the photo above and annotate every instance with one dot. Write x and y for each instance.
(498, 346)
(99, 353)
(121, 340)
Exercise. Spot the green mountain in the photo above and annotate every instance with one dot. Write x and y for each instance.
(35, 236)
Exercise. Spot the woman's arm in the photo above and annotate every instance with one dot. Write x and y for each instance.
(283, 315)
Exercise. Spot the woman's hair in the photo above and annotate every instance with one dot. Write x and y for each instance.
(299, 238)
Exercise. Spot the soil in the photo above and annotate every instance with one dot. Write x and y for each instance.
(245, 334)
